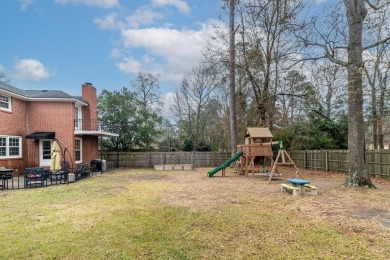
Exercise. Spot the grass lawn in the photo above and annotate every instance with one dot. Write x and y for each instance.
(146, 214)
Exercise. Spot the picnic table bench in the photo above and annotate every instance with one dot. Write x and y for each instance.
(299, 187)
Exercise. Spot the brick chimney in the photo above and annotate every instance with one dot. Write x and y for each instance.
(89, 95)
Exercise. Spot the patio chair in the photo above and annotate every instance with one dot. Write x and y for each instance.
(34, 177)
(61, 175)
(82, 170)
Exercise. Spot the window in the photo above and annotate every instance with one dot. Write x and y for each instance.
(46, 149)
(78, 150)
(10, 146)
(77, 117)
(5, 103)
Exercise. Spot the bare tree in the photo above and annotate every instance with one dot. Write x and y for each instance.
(147, 90)
(265, 42)
(330, 80)
(355, 13)
(196, 91)
(376, 70)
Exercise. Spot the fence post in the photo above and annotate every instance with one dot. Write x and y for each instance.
(327, 161)
(193, 160)
(304, 160)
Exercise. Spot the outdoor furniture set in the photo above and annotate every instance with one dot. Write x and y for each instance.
(36, 177)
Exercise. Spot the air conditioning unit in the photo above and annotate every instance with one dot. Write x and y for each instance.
(71, 177)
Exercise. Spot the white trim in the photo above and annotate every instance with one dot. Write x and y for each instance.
(9, 109)
(7, 156)
(44, 162)
(25, 98)
(81, 149)
(96, 133)
(79, 117)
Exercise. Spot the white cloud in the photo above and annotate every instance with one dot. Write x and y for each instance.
(143, 16)
(2, 68)
(181, 5)
(98, 3)
(129, 65)
(24, 4)
(168, 101)
(176, 50)
(30, 69)
(109, 22)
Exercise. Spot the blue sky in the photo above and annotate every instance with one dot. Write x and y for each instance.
(59, 44)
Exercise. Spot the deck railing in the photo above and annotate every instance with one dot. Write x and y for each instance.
(93, 125)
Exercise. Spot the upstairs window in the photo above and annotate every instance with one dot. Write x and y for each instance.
(77, 117)
(10, 147)
(5, 103)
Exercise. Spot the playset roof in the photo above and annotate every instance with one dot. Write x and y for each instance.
(258, 132)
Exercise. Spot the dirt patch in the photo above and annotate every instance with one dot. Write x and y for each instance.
(335, 203)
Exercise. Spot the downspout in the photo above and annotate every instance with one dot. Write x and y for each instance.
(101, 154)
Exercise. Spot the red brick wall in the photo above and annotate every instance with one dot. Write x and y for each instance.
(14, 123)
(33, 116)
(55, 117)
(90, 143)
(90, 148)
(89, 95)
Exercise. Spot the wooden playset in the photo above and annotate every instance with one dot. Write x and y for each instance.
(257, 151)
(256, 154)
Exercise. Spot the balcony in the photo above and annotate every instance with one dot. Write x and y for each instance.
(93, 127)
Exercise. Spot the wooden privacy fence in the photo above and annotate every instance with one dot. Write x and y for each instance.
(378, 161)
(149, 159)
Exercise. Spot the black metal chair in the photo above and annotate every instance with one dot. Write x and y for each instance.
(82, 170)
(34, 177)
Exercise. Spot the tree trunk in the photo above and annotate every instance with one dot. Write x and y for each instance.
(232, 83)
(381, 114)
(357, 172)
(374, 117)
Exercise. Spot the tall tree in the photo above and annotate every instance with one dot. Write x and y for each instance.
(192, 106)
(138, 128)
(232, 78)
(265, 42)
(376, 71)
(147, 90)
(330, 80)
(355, 14)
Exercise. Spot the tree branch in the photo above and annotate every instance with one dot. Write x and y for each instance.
(387, 39)
(376, 8)
(327, 55)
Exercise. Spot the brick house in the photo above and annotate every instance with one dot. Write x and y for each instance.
(31, 119)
